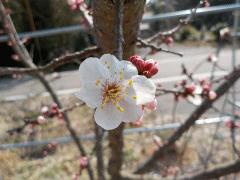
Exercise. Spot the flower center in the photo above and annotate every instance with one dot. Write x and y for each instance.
(112, 93)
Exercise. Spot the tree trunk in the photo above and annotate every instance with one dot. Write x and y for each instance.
(104, 20)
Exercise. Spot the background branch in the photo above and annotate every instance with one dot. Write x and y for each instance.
(21, 50)
(207, 103)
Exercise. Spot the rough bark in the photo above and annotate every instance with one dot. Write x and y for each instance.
(99, 152)
(104, 24)
(104, 20)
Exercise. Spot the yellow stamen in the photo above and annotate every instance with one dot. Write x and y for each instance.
(130, 82)
(98, 82)
(120, 109)
(121, 75)
(134, 97)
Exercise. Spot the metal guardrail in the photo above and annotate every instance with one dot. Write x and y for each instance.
(165, 16)
(45, 33)
(200, 12)
(91, 137)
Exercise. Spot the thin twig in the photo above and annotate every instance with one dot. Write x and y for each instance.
(182, 22)
(145, 44)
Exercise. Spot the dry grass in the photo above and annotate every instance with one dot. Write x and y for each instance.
(62, 163)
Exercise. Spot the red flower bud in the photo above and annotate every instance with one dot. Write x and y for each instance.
(147, 68)
(168, 40)
(149, 64)
(153, 71)
(83, 161)
(230, 124)
(190, 89)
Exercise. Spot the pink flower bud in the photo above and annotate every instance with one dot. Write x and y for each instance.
(225, 33)
(83, 162)
(205, 3)
(15, 57)
(212, 58)
(230, 124)
(45, 153)
(45, 111)
(60, 116)
(152, 105)
(138, 62)
(212, 95)
(71, 2)
(75, 176)
(168, 40)
(54, 108)
(237, 124)
(138, 123)
(41, 120)
(206, 87)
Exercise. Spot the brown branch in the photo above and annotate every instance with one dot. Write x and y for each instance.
(207, 103)
(69, 58)
(34, 121)
(217, 172)
(116, 141)
(21, 50)
(99, 132)
(182, 22)
(146, 44)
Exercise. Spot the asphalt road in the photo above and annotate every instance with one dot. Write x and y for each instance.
(169, 73)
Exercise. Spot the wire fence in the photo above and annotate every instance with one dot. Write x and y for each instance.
(159, 17)
(91, 137)
(77, 28)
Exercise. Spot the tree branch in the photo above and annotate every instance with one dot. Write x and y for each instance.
(145, 44)
(182, 22)
(21, 50)
(70, 58)
(207, 103)
(217, 172)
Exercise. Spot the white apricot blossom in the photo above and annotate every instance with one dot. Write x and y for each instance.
(114, 89)
(196, 97)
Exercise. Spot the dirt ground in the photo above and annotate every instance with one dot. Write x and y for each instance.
(202, 147)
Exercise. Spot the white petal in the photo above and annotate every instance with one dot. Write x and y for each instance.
(90, 94)
(92, 69)
(131, 96)
(107, 117)
(144, 88)
(196, 100)
(111, 63)
(131, 112)
(198, 90)
(129, 69)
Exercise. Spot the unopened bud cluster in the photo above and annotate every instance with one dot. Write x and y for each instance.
(146, 68)
(75, 4)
